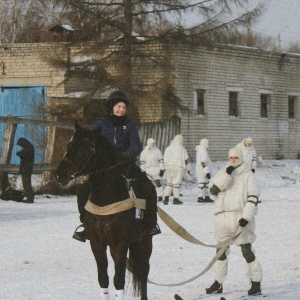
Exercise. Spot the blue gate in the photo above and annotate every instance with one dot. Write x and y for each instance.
(25, 101)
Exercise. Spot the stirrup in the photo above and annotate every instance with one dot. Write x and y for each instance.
(80, 235)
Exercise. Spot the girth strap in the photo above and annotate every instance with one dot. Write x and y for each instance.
(115, 207)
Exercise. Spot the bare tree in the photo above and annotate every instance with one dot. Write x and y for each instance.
(132, 25)
(3, 12)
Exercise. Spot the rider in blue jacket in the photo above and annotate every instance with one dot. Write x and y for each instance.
(121, 132)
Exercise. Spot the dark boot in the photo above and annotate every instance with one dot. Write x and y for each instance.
(166, 200)
(201, 200)
(80, 235)
(29, 199)
(159, 199)
(177, 201)
(215, 288)
(154, 230)
(255, 289)
(207, 199)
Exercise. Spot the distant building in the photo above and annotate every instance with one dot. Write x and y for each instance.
(231, 92)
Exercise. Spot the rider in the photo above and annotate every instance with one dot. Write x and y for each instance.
(121, 132)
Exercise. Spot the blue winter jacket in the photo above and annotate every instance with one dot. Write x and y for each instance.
(124, 137)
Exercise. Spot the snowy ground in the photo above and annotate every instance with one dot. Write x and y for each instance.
(40, 260)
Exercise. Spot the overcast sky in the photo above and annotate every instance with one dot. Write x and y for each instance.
(281, 19)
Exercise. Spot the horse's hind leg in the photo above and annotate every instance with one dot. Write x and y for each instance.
(119, 254)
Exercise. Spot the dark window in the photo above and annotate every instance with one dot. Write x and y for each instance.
(292, 105)
(200, 102)
(233, 104)
(264, 105)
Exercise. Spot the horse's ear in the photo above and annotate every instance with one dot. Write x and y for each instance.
(77, 126)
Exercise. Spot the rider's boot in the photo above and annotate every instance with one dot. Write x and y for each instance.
(154, 229)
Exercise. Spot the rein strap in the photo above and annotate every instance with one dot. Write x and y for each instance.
(115, 207)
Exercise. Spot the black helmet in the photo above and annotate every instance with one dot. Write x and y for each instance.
(114, 98)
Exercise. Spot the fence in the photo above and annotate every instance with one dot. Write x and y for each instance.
(162, 132)
(8, 142)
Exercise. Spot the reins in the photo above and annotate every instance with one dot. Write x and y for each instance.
(93, 152)
(109, 168)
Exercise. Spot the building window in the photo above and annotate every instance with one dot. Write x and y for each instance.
(233, 104)
(200, 102)
(264, 105)
(292, 100)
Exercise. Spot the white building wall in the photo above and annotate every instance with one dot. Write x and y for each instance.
(249, 72)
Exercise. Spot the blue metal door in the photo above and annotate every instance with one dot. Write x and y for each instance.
(25, 102)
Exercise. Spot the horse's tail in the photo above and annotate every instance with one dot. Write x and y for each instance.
(138, 264)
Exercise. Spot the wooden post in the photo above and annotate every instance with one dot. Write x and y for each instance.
(6, 153)
(50, 148)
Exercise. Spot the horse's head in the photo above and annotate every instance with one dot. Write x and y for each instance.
(79, 157)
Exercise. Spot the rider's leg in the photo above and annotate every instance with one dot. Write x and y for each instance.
(144, 189)
(82, 198)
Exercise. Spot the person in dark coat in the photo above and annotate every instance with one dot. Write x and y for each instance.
(121, 132)
(26, 166)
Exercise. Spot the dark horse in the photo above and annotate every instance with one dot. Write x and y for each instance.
(88, 153)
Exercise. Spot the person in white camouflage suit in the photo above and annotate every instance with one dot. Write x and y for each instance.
(203, 171)
(176, 161)
(237, 194)
(249, 153)
(152, 162)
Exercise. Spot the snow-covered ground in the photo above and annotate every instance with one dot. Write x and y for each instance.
(40, 260)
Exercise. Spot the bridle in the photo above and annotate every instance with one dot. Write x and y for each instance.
(92, 150)
(79, 170)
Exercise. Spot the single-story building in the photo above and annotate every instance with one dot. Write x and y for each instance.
(231, 92)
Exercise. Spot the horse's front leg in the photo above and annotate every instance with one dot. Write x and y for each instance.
(119, 254)
(100, 255)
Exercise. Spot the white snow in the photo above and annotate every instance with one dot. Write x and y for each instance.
(40, 260)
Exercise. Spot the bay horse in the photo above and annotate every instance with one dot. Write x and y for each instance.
(89, 153)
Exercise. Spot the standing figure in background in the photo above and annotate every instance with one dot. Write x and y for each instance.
(249, 153)
(176, 161)
(152, 162)
(26, 166)
(203, 171)
(237, 198)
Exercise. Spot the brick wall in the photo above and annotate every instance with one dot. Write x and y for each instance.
(29, 64)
